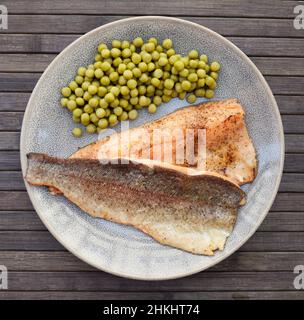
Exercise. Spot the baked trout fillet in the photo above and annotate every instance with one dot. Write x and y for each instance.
(193, 212)
(229, 149)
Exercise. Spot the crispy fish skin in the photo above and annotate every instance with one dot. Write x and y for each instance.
(195, 213)
(229, 149)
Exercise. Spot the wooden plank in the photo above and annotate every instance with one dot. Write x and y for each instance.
(44, 241)
(65, 261)
(156, 7)
(13, 101)
(22, 82)
(100, 281)
(36, 62)
(283, 221)
(54, 43)
(292, 163)
(12, 121)
(294, 143)
(21, 221)
(9, 140)
(290, 104)
(17, 101)
(292, 182)
(79, 24)
(13, 180)
(18, 200)
(25, 62)
(174, 295)
(10, 160)
(25, 82)
(280, 66)
(29, 221)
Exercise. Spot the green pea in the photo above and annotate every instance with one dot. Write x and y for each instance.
(125, 44)
(146, 57)
(98, 73)
(210, 82)
(105, 66)
(192, 77)
(200, 92)
(109, 97)
(126, 53)
(81, 71)
(150, 47)
(91, 128)
(173, 59)
(191, 98)
(138, 42)
(209, 93)
(118, 111)
(115, 52)
(215, 66)
(128, 74)
(134, 93)
(152, 108)
(77, 132)
(214, 75)
(101, 91)
(132, 84)
(200, 83)
(204, 58)
(123, 103)
(114, 76)
(155, 82)
(79, 92)
(167, 44)
(133, 114)
(143, 66)
(79, 80)
(88, 108)
(186, 85)
(105, 81)
(124, 90)
(113, 119)
(170, 52)
(85, 119)
(122, 80)
(124, 116)
(80, 101)
(100, 112)
(169, 84)
(151, 66)
(179, 65)
(85, 85)
(134, 100)
(184, 73)
(87, 96)
(150, 89)
(103, 123)
(66, 91)
(77, 112)
(158, 73)
(102, 46)
(89, 73)
(103, 104)
(166, 98)
(64, 102)
(136, 72)
(182, 95)
(157, 100)
(136, 58)
(71, 104)
(94, 118)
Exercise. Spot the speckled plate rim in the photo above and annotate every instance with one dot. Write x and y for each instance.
(26, 119)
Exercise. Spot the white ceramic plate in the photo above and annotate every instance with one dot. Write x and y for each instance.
(122, 250)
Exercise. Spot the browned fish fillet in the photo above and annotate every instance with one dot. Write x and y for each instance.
(195, 212)
(229, 150)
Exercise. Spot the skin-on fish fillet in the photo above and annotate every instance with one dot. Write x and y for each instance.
(195, 212)
(229, 150)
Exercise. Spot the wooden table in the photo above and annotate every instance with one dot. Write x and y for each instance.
(39, 267)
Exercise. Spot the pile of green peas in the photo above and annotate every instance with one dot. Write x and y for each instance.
(129, 76)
